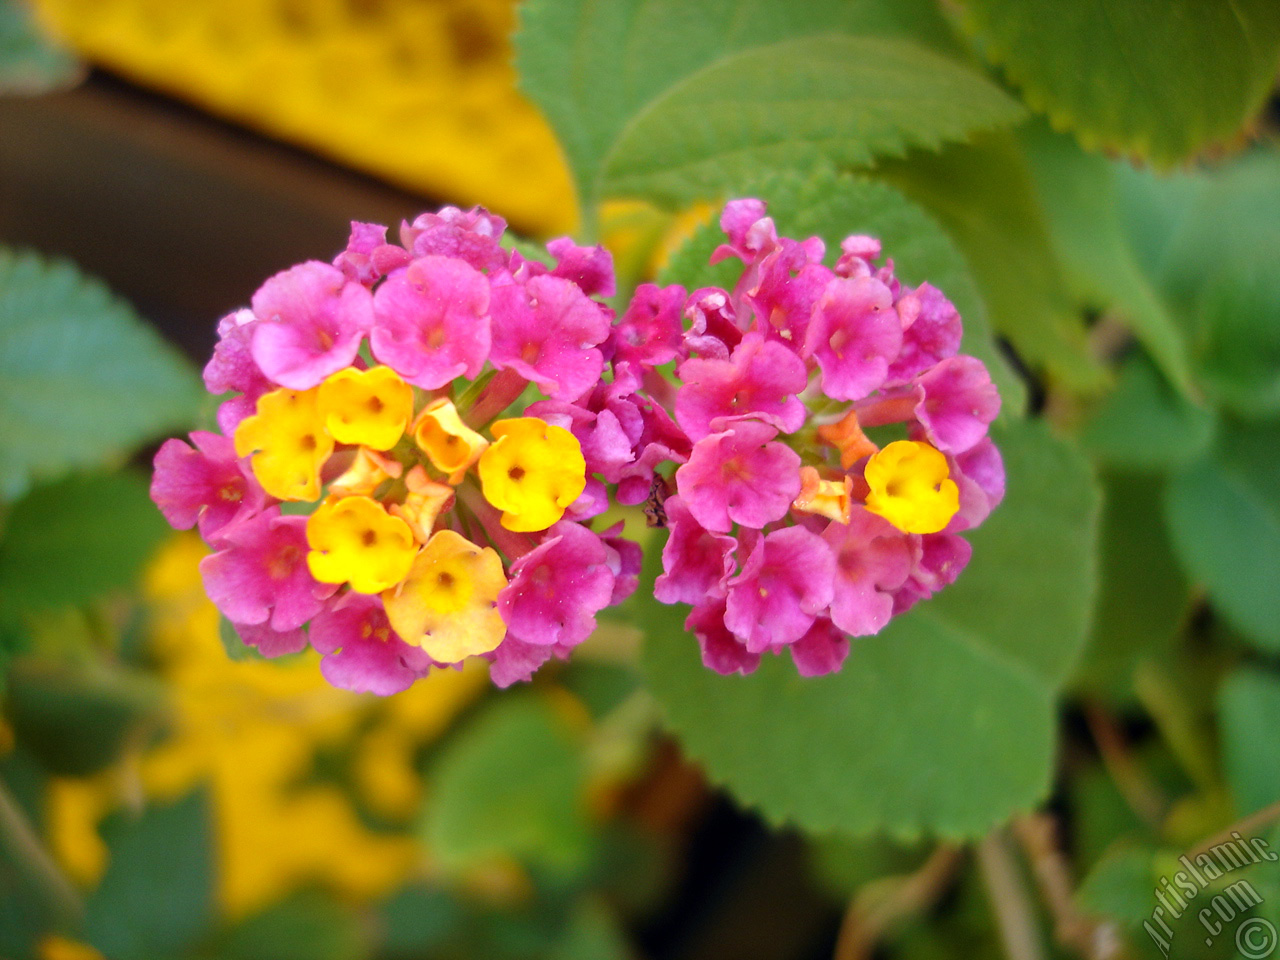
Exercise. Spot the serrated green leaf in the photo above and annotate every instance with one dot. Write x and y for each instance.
(983, 194)
(29, 61)
(1161, 79)
(1223, 513)
(941, 724)
(510, 785)
(1143, 424)
(833, 206)
(594, 67)
(1249, 711)
(82, 379)
(793, 105)
(156, 898)
(70, 541)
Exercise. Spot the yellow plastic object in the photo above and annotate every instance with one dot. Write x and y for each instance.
(420, 92)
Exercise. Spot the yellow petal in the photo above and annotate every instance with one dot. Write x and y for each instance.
(449, 444)
(369, 407)
(911, 487)
(289, 443)
(354, 540)
(448, 603)
(532, 472)
(826, 498)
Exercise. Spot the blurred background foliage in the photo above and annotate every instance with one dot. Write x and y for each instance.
(1014, 769)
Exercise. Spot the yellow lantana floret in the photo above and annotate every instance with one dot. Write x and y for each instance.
(354, 540)
(911, 487)
(369, 407)
(448, 603)
(289, 443)
(533, 471)
(449, 444)
(368, 471)
(826, 498)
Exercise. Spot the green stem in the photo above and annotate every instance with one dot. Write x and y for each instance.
(24, 848)
(1007, 890)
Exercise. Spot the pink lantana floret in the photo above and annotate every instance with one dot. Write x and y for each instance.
(311, 322)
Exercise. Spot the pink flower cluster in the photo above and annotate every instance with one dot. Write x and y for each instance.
(456, 316)
(779, 535)
(820, 453)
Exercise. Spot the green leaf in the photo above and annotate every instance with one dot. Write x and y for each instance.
(1161, 79)
(82, 380)
(1219, 272)
(1078, 192)
(595, 67)
(793, 105)
(983, 194)
(833, 206)
(1224, 516)
(156, 897)
(944, 722)
(1121, 885)
(1143, 596)
(510, 785)
(78, 718)
(1249, 715)
(29, 61)
(306, 926)
(592, 933)
(236, 648)
(1143, 424)
(70, 541)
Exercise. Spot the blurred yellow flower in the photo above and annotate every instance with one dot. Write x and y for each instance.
(423, 94)
(250, 731)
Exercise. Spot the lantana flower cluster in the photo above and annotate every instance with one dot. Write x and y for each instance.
(382, 487)
(791, 528)
(420, 435)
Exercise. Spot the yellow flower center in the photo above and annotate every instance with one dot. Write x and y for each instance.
(289, 443)
(448, 603)
(911, 487)
(354, 540)
(369, 407)
(532, 472)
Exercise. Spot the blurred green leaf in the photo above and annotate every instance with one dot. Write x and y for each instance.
(82, 380)
(78, 717)
(29, 61)
(306, 926)
(595, 68)
(1143, 424)
(1249, 705)
(795, 104)
(1122, 885)
(843, 865)
(944, 722)
(1160, 79)
(236, 648)
(1078, 192)
(1143, 596)
(592, 933)
(1224, 516)
(832, 207)
(1211, 241)
(510, 785)
(983, 194)
(73, 540)
(156, 898)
